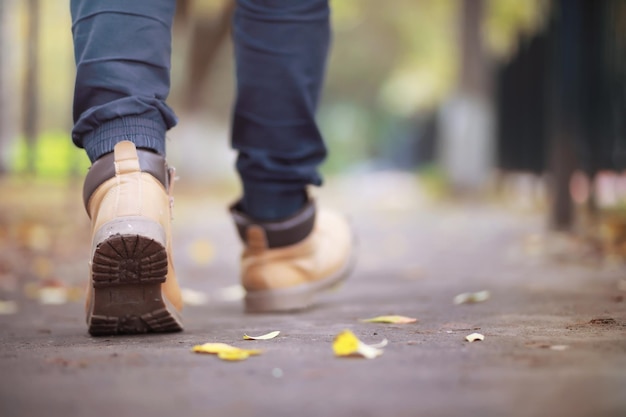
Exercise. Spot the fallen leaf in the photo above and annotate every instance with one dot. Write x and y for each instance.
(390, 319)
(380, 344)
(42, 267)
(53, 292)
(474, 336)
(267, 336)
(53, 295)
(212, 348)
(559, 347)
(8, 307)
(472, 297)
(201, 252)
(193, 297)
(347, 344)
(38, 237)
(233, 355)
(231, 293)
(225, 352)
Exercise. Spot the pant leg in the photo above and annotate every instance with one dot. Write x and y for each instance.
(122, 50)
(280, 51)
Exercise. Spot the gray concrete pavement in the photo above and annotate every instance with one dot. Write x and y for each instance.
(415, 256)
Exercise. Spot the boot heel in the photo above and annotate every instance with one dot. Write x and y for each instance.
(129, 250)
(128, 259)
(127, 272)
(131, 309)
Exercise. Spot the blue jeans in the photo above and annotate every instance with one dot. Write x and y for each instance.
(122, 51)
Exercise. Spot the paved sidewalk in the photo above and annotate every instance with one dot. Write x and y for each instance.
(415, 256)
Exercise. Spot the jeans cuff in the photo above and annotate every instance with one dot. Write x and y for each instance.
(144, 133)
(271, 203)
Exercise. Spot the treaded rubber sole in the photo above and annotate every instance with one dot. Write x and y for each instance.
(127, 273)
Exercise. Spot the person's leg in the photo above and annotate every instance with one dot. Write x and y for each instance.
(292, 250)
(280, 50)
(122, 51)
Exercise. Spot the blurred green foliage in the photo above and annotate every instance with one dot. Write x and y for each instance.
(54, 156)
(390, 62)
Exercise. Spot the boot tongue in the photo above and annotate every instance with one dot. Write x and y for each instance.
(124, 159)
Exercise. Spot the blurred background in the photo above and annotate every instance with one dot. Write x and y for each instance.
(475, 144)
(475, 98)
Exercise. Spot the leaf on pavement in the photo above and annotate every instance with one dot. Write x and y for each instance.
(559, 348)
(474, 337)
(390, 319)
(194, 297)
(231, 293)
(380, 344)
(8, 307)
(347, 344)
(53, 292)
(225, 352)
(472, 297)
(267, 336)
(233, 355)
(201, 251)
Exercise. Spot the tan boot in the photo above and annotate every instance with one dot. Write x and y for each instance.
(286, 264)
(133, 288)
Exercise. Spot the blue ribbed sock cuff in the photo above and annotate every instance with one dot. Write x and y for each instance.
(144, 133)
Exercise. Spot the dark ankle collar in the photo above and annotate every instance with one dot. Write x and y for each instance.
(104, 169)
(278, 233)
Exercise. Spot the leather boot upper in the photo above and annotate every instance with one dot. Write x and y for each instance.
(307, 247)
(131, 182)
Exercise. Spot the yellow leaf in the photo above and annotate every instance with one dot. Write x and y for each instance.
(193, 297)
(472, 297)
(474, 337)
(267, 336)
(8, 307)
(347, 344)
(201, 252)
(213, 348)
(225, 351)
(390, 319)
(234, 355)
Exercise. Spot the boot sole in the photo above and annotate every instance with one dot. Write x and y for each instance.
(127, 273)
(284, 300)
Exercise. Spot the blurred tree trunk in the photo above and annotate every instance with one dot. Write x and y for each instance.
(474, 77)
(208, 33)
(3, 84)
(468, 118)
(6, 97)
(566, 126)
(31, 93)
